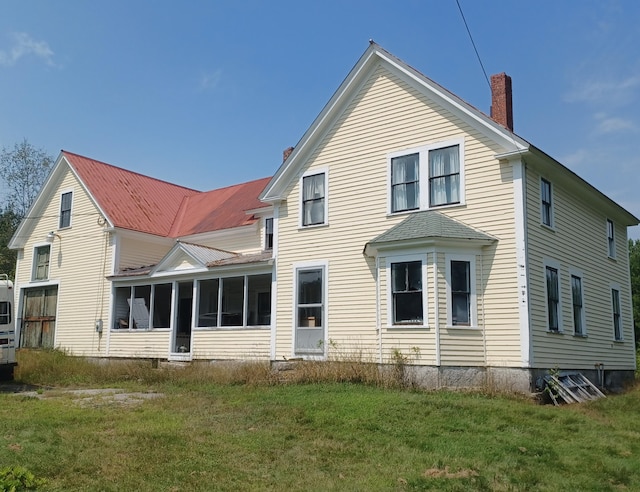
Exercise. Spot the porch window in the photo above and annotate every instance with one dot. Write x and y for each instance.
(232, 301)
(208, 302)
(259, 300)
(136, 307)
(41, 262)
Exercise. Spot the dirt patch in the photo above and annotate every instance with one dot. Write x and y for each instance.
(93, 397)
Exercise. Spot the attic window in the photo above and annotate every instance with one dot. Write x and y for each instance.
(65, 210)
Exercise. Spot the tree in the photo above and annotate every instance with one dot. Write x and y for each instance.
(9, 221)
(23, 169)
(634, 265)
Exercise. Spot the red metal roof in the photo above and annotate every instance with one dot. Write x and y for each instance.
(140, 203)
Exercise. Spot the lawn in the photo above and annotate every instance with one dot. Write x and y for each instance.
(216, 431)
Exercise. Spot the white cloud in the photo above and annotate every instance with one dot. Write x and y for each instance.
(211, 80)
(25, 45)
(614, 125)
(605, 91)
(576, 159)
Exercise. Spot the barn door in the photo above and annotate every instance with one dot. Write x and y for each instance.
(39, 317)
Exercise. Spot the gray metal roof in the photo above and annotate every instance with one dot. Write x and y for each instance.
(205, 254)
(430, 225)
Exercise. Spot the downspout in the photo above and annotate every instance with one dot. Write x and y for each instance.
(437, 307)
(274, 281)
(378, 322)
(484, 324)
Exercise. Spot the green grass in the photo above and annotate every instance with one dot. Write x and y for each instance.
(224, 429)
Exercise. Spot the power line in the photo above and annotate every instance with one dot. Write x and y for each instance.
(473, 43)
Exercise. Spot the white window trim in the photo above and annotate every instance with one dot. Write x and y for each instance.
(614, 286)
(313, 172)
(552, 204)
(473, 298)
(273, 231)
(423, 181)
(35, 259)
(573, 272)
(425, 308)
(606, 232)
(548, 262)
(310, 265)
(63, 192)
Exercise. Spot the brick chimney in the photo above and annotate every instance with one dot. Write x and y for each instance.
(501, 106)
(286, 153)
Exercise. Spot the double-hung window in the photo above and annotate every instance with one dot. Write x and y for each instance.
(546, 204)
(553, 298)
(611, 240)
(405, 185)
(577, 300)
(268, 233)
(461, 295)
(406, 291)
(310, 310)
(426, 177)
(41, 262)
(444, 176)
(314, 199)
(65, 210)
(617, 320)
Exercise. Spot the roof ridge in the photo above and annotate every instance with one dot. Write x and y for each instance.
(66, 152)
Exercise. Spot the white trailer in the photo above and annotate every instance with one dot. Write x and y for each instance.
(7, 329)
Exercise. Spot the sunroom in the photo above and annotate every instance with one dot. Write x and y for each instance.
(197, 302)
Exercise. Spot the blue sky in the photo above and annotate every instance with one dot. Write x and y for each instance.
(209, 93)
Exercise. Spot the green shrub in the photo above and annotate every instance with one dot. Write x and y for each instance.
(17, 478)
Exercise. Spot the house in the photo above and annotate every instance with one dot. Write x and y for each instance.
(404, 221)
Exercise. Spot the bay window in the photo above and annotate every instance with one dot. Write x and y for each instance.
(406, 289)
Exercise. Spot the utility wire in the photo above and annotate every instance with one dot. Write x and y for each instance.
(473, 43)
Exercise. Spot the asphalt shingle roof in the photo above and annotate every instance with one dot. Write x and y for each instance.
(430, 224)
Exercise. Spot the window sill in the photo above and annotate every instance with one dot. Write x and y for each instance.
(139, 330)
(462, 327)
(409, 327)
(555, 332)
(312, 226)
(425, 209)
(620, 342)
(232, 328)
(548, 227)
(580, 335)
(612, 258)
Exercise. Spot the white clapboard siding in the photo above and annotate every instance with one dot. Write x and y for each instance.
(387, 115)
(140, 343)
(81, 257)
(577, 242)
(247, 344)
